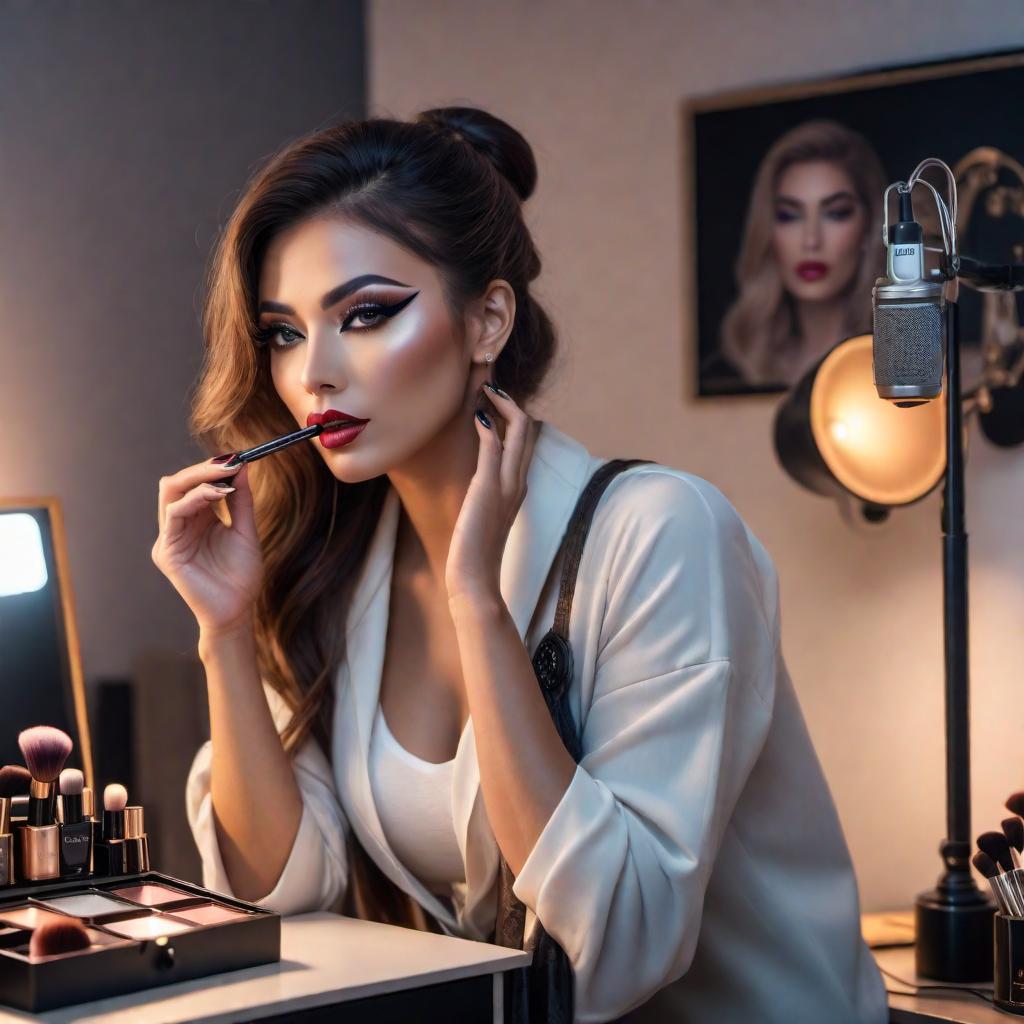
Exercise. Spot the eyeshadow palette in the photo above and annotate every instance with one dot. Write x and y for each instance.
(143, 930)
(87, 904)
(150, 895)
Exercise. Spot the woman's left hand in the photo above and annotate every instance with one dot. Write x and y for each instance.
(492, 501)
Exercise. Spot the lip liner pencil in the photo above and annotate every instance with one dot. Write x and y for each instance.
(268, 448)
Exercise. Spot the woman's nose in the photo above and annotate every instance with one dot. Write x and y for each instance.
(812, 233)
(322, 369)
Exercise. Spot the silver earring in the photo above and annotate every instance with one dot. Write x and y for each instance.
(488, 357)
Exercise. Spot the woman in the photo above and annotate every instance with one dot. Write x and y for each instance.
(810, 255)
(389, 593)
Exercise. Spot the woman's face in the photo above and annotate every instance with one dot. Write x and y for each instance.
(358, 325)
(819, 230)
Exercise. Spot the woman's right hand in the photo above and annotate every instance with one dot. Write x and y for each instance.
(217, 569)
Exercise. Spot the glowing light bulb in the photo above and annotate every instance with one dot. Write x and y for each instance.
(840, 431)
(22, 562)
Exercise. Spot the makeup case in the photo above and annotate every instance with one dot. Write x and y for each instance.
(148, 929)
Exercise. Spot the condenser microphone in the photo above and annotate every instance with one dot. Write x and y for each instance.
(907, 316)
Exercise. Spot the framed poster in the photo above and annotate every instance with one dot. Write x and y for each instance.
(786, 189)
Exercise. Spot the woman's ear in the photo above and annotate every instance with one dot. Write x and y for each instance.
(493, 316)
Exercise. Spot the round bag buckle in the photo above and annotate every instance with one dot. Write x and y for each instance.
(552, 662)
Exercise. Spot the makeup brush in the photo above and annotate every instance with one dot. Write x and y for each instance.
(115, 798)
(275, 445)
(985, 864)
(14, 780)
(45, 749)
(990, 869)
(14, 785)
(1015, 804)
(996, 845)
(1013, 829)
(71, 784)
(76, 831)
(109, 850)
(55, 937)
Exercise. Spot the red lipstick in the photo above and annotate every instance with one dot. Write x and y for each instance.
(330, 416)
(811, 270)
(336, 438)
(317, 421)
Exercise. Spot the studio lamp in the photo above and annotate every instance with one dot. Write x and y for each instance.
(836, 437)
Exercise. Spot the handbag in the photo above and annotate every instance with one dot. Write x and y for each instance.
(543, 993)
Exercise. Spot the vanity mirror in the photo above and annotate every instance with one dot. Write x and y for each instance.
(40, 664)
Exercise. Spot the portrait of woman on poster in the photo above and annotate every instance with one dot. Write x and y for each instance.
(810, 254)
(368, 604)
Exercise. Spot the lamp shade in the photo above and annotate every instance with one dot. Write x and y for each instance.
(835, 436)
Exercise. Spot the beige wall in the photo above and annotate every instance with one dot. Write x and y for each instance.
(596, 87)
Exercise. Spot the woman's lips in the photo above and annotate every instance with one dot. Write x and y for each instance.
(811, 270)
(337, 438)
(329, 415)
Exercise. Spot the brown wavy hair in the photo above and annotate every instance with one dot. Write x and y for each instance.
(761, 323)
(449, 187)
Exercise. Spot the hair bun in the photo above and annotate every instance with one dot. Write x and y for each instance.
(494, 139)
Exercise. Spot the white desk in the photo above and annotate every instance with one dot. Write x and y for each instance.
(325, 960)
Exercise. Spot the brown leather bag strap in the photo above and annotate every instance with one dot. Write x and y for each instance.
(576, 534)
(553, 661)
(553, 666)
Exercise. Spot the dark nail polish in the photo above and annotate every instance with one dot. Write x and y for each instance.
(482, 417)
(219, 459)
(497, 391)
(222, 483)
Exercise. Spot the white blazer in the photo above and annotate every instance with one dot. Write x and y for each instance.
(696, 863)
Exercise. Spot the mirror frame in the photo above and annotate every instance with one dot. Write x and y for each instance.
(52, 506)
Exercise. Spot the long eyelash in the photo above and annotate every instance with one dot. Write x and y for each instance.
(368, 304)
(365, 306)
(264, 335)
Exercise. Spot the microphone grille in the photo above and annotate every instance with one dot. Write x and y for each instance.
(907, 348)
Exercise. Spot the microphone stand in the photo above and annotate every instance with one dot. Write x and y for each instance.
(954, 920)
(954, 928)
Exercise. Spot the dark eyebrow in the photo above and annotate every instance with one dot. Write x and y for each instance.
(827, 199)
(335, 294)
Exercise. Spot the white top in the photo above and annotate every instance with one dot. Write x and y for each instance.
(414, 801)
(695, 867)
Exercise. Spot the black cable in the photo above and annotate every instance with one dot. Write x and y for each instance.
(980, 993)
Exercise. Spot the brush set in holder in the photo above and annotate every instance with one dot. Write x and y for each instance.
(82, 916)
(998, 858)
(48, 825)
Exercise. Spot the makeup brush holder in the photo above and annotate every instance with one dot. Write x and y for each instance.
(1008, 967)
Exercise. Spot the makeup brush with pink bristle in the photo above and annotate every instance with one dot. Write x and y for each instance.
(45, 749)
